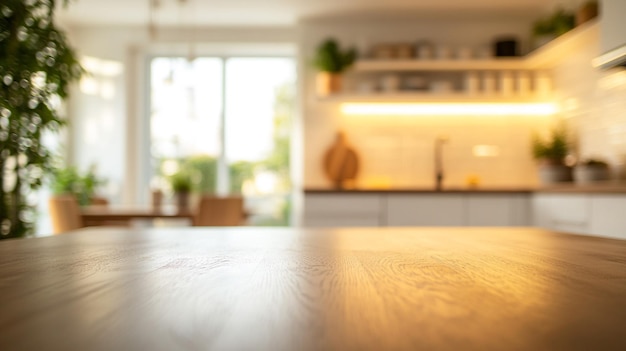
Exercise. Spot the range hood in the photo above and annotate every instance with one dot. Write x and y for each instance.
(613, 58)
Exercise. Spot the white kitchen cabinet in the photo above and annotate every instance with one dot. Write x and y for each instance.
(579, 213)
(612, 24)
(497, 210)
(426, 210)
(468, 209)
(416, 209)
(608, 215)
(562, 212)
(342, 210)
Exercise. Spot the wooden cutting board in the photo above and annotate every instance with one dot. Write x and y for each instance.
(341, 162)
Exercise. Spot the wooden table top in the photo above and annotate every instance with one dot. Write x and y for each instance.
(297, 289)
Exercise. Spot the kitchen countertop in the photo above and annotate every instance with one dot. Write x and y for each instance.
(313, 289)
(607, 188)
(616, 188)
(414, 190)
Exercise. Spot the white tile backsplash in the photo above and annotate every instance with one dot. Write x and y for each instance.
(399, 151)
(595, 104)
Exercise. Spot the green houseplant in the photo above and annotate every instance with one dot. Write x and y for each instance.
(181, 184)
(591, 170)
(547, 28)
(37, 65)
(330, 60)
(71, 181)
(550, 154)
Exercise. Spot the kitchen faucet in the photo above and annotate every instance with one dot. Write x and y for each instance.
(439, 141)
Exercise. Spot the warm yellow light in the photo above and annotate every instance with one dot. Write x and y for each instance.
(614, 80)
(453, 109)
(486, 150)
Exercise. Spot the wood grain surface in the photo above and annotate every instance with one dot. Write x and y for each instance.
(292, 289)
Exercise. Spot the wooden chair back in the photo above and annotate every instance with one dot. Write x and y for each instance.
(99, 201)
(219, 211)
(64, 213)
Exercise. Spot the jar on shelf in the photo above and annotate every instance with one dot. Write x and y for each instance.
(404, 51)
(489, 82)
(523, 83)
(543, 84)
(366, 87)
(506, 83)
(383, 51)
(472, 82)
(483, 52)
(441, 86)
(424, 50)
(443, 52)
(390, 83)
(464, 53)
(414, 82)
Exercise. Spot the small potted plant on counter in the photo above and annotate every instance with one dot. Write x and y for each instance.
(591, 170)
(181, 186)
(550, 154)
(331, 61)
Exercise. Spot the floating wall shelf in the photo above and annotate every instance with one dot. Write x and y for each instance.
(408, 96)
(449, 109)
(545, 57)
(542, 59)
(438, 65)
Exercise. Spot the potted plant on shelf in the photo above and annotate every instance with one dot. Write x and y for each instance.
(551, 153)
(331, 61)
(548, 28)
(591, 170)
(586, 12)
(181, 185)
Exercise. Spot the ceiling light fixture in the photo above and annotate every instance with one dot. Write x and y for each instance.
(153, 5)
(184, 6)
(449, 109)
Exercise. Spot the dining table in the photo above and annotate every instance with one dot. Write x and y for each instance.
(254, 288)
(98, 215)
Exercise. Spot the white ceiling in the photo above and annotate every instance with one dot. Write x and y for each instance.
(279, 12)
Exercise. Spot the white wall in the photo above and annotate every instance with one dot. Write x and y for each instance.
(594, 104)
(613, 24)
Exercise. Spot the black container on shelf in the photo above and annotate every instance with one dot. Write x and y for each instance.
(505, 46)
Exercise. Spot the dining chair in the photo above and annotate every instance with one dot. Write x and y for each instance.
(220, 211)
(99, 201)
(64, 213)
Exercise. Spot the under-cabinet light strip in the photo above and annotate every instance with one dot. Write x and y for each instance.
(453, 109)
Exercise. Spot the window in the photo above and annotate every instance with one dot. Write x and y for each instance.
(226, 121)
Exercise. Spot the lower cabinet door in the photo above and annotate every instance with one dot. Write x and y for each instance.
(426, 210)
(500, 210)
(562, 212)
(608, 216)
(342, 210)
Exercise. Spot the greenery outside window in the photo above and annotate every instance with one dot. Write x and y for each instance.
(226, 121)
